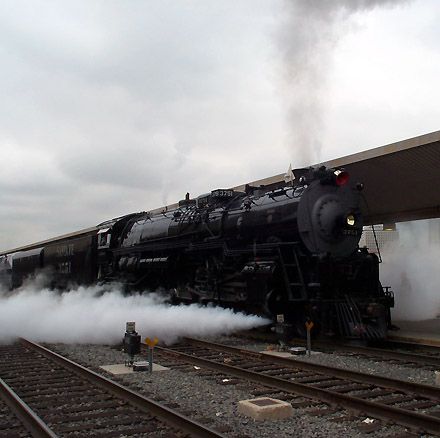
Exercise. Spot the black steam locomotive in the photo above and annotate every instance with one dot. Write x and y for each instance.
(289, 253)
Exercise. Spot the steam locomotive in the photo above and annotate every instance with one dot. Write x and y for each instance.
(288, 253)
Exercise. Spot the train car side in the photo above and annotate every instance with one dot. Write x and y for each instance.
(65, 262)
(73, 261)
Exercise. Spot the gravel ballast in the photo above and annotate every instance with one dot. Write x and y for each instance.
(202, 396)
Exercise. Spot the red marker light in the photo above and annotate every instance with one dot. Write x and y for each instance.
(341, 177)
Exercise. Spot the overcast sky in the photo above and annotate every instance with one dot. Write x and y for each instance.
(111, 107)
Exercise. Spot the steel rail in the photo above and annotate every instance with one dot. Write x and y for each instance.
(407, 418)
(388, 382)
(390, 354)
(382, 352)
(31, 421)
(401, 343)
(144, 404)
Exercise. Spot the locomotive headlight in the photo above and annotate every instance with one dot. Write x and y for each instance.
(350, 220)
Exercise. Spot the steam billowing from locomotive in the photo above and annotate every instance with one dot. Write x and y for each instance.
(97, 314)
(287, 253)
(411, 265)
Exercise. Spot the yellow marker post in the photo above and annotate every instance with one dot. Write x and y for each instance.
(309, 326)
(151, 344)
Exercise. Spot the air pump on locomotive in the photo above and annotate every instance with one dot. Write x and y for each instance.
(289, 253)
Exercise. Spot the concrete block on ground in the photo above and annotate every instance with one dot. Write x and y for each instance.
(437, 378)
(287, 354)
(122, 369)
(265, 408)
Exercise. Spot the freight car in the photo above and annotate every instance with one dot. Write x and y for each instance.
(290, 254)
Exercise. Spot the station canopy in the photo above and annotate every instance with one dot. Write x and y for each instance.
(401, 180)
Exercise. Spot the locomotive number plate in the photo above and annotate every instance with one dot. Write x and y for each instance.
(351, 232)
(222, 193)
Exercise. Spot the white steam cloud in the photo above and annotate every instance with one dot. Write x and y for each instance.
(411, 268)
(98, 315)
(309, 34)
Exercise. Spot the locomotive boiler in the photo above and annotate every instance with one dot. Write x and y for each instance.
(290, 254)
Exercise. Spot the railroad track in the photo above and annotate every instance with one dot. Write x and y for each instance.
(401, 354)
(52, 396)
(396, 352)
(425, 349)
(11, 425)
(411, 405)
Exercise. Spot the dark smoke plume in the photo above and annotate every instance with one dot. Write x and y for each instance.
(310, 31)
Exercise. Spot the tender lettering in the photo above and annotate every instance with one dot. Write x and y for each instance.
(65, 268)
(65, 250)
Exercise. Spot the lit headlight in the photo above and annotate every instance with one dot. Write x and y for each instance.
(350, 220)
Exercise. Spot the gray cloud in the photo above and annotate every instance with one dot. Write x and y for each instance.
(107, 109)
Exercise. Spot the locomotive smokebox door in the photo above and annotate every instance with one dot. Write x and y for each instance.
(132, 341)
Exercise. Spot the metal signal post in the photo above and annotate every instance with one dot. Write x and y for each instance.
(151, 345)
